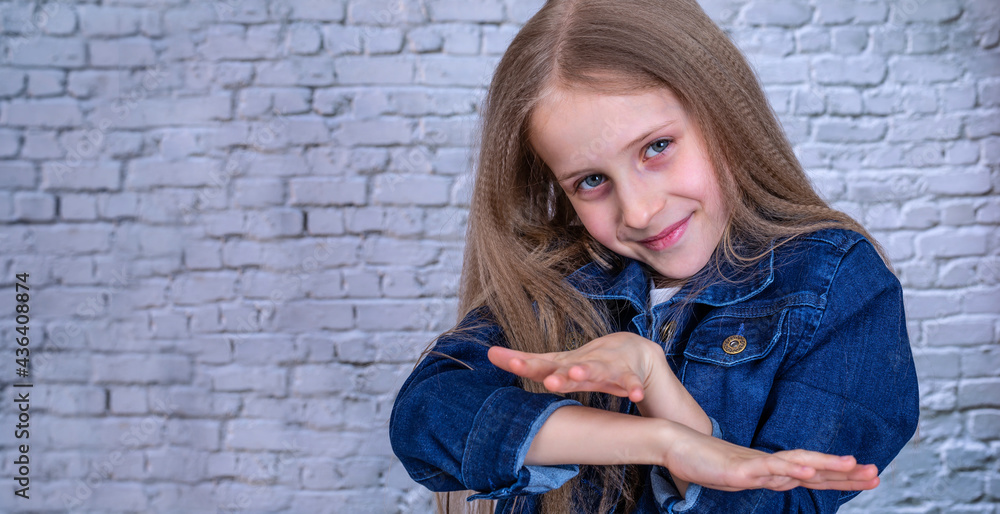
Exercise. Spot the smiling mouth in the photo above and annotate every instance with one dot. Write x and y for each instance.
(667, 237)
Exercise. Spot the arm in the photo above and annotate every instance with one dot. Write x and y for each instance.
(459, 423)
(628, 365)
(847, 387)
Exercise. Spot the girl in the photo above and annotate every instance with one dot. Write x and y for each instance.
(657, 307)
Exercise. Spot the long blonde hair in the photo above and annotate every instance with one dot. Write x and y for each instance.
(523, 237)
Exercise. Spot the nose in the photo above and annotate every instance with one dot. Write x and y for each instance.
(639, 203)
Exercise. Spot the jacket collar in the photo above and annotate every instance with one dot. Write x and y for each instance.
(631, 283)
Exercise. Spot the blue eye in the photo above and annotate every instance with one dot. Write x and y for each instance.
(591, 181)
(657, 147)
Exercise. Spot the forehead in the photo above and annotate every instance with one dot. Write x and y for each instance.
(570, 127)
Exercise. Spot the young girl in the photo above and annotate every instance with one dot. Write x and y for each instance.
(657, 307)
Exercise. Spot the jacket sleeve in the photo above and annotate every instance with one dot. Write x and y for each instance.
(850, 389)
(461, 423)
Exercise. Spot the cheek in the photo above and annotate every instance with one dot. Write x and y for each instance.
(599, 224)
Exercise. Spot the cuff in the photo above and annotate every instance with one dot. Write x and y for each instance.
(498, 444)
(664, 490)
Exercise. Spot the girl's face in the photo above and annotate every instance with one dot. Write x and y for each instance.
(636, 170)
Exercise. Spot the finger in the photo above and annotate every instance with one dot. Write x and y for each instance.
(634, 389)
(527, 365)
(862, 473)
(843, 485)
(820, 461)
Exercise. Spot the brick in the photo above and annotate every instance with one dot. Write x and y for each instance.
(318, 379)
(304, 39)
(937, 365)
(109, 21)
(919, 129)
(919, 99)
(915, 11)
(497, 39)
(237, 378)
(122, 53)
(416, 190)
(784, 13)
(10, 143)
(317, 191)
(305, 316)
(386, 12)
(48, 52)
(984, 425)
(46, 82)
(461, 39)
(43, 114)
(849, 40)
(980, 363)
(957, 97)
(264, 165)
(250, 11)
(379, 40)
(99, 175)
(150, 113)
(342, 40)
(958, 213)
(383, 250)
(454, 10)
(456, 71)
(325, 221)
(811, 39)
(73, 239)
(844, 102)
(147, 173)
(141, 368)
(317, 10)
(197, 288)
(385, 131)
(31, 206)
(979, 393)
(849, 131)
(258, 192)
(361, 284)
(255, 435)
(857, 71)
(128, 400)
(268, 350)
(378, 70)
(959, 184)
(520, 11)
(982, 124)
(71, 399)
(961, 331)
(921, 69)
(296, 71)
(41, 145)
(274, 223)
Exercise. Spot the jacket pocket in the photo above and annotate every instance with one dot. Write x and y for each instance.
(732, 336)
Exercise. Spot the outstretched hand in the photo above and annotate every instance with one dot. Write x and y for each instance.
(626, 365)
(621, 364)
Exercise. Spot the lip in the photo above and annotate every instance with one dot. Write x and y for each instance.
(667, 237)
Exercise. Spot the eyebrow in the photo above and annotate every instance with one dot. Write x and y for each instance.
(634, 142)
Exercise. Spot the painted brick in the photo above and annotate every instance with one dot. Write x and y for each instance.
(287, 195)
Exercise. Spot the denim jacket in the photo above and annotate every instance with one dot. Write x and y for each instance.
(807, 350)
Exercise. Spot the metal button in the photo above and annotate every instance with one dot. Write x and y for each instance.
(734, 344)
(667, 331)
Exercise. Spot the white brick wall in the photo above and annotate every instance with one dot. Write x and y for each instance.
(243, 220)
